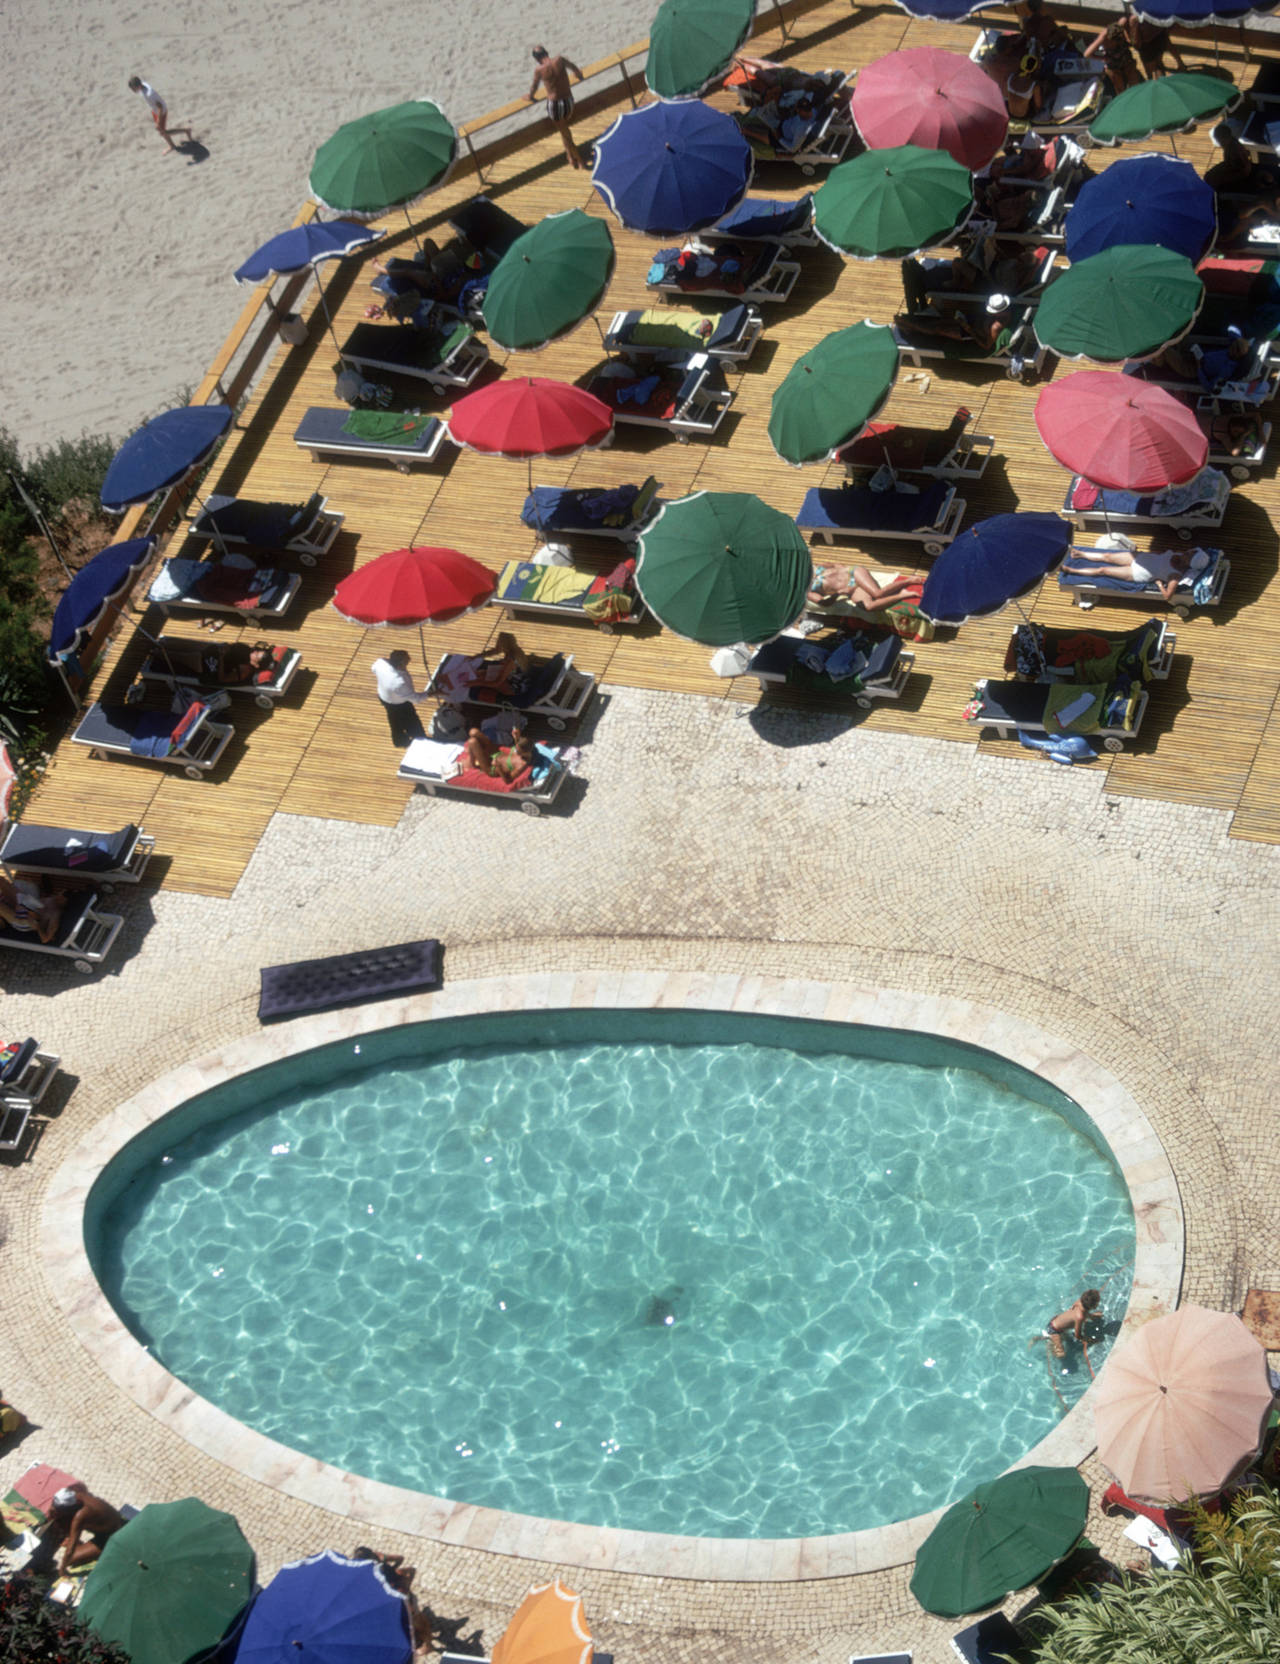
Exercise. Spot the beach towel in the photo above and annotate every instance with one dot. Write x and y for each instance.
(386, 427)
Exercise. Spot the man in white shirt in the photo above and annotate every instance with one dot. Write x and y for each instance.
(159, 111)
(398, 695)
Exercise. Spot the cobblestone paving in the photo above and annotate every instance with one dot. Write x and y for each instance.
(696, 840)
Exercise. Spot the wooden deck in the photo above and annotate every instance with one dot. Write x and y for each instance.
(1211, 737)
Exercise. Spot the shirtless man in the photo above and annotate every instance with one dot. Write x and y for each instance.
(552, 74)
(159, 111)
(83, 1514)
(1073, 1319)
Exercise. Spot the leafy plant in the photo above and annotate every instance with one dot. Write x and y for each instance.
(35, 1630)
(72, 471)
(1222, 1607)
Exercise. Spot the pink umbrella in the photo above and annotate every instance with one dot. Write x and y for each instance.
(1181, 1406)
(8, 779)
(1120, 433)
(937, 100)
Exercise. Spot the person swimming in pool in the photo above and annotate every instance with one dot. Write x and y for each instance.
(1073, 1319)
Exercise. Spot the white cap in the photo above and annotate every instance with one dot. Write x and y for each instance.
(65, 1498)
(997, 303)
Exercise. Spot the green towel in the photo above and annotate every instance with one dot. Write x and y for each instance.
(1064, 695)
(386, 427)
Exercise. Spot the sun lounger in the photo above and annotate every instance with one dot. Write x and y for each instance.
(931, 516)
(550, 688)
(607, 599)
(790, 115)
(619, 511)
(1197, 506)
(762, 219)
(433, 767)
(681, 398)
(1261, 132)
(303, 529)
(65, 852)
(950, 453)
(489, 229)
(1112, 714)
(1202, 587)
(665, 334)
(443, 357)
(213, 666)
(149, 735)
(1254, 385)
(370, 433)
(1043, 655)
(862, 666)
(14, 1116)
(902, 616)
(27, 1072)
(754, 272)
(1018, 352)
(84, 934)
(233, 584)
(1217, 424)
(1044, 216)
(346, 979)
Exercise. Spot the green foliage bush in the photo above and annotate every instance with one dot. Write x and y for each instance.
(1223, 1607)
(34, 1630)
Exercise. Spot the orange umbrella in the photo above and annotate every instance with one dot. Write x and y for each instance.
(548, 1629)
(1181, 1405)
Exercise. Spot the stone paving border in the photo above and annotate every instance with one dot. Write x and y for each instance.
(1119, 1123)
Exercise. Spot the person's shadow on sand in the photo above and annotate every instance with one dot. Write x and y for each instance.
(194, 151)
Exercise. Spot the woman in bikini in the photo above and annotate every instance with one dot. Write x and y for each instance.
(855, 583)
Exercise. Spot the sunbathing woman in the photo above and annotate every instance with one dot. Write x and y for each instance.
(1166, 568)
(512, 761)
(25, 907)
(855, 583)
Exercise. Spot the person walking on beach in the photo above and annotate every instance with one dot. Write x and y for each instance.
(399, 697)
(159, 111)
(552, 74)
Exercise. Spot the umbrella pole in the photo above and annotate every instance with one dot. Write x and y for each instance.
(218, 544)
(328, 316)
(409, 223)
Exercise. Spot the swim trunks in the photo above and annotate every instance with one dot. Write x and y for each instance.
(559, 109)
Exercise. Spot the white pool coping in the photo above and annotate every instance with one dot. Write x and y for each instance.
(1138, 1153)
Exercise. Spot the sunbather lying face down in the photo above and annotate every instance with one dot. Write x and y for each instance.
(1165, 569)
(855, 583)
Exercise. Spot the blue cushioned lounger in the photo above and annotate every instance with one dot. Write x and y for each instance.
(118, 857)
(877, 669)
(762, 219)
(931, 516)
(321, 431)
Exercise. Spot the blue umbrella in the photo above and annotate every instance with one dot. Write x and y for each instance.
(305, 245)
(327, 1610)
(159, 454)
(1145, 199)
(93, 589)
(671, 168)
(1194, 14)
(993, 563)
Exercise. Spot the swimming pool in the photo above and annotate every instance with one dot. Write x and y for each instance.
(466, 1288)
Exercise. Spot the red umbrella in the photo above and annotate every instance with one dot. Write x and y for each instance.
(937, 100)
(1120, 433)
(530, 416)
(414, 586)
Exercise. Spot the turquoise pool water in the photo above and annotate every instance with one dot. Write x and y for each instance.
(670, 1271)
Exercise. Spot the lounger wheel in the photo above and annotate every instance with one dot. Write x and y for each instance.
(605, 629)
(263, 701)
(1239, 471)
(863, 704)
(558, 723)
(1181, 612)
(530, 809)
(83, 966)
(307, 559)
(192, 772)
(933, 548)
(808, 169)
(1184, 532)
(1112, 743)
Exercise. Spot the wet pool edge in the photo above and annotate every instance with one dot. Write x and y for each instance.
(1158, 1226)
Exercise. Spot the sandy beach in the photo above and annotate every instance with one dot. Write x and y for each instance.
(117, 291)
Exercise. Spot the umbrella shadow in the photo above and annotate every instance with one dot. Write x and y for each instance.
(790, 726)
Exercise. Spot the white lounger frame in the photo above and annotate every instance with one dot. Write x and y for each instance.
(404, 460)
(1113, 739)
(1239, 467)
(459, 369)
(775, 283)
(88, 945)
(131, 873)
(532, 801)
(966, 460)
(700, 412)
(737, 352)
(1083, 593)
(1162, 658)
(251, 615)
(264, 696)
(934, 538)
(890, 688)
(326, 525)
(1032, 360)
(199, 752)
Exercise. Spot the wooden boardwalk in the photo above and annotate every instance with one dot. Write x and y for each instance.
(1212, 734)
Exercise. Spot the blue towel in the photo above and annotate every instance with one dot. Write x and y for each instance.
(150, 745)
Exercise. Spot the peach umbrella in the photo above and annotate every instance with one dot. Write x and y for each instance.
(548, 1628)
(1181, 1405)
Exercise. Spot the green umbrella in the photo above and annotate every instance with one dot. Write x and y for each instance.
(171, 1583)
(384, 160)
(832, 392)
(548, 280)
(1169, 104)
(1000, 1537)
(892, 201)
(691, 42)
(722, 567)
(1127, 302)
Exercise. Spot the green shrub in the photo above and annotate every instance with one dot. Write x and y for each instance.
(71, 471)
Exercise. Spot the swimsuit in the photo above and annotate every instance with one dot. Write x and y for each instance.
(560, 109)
